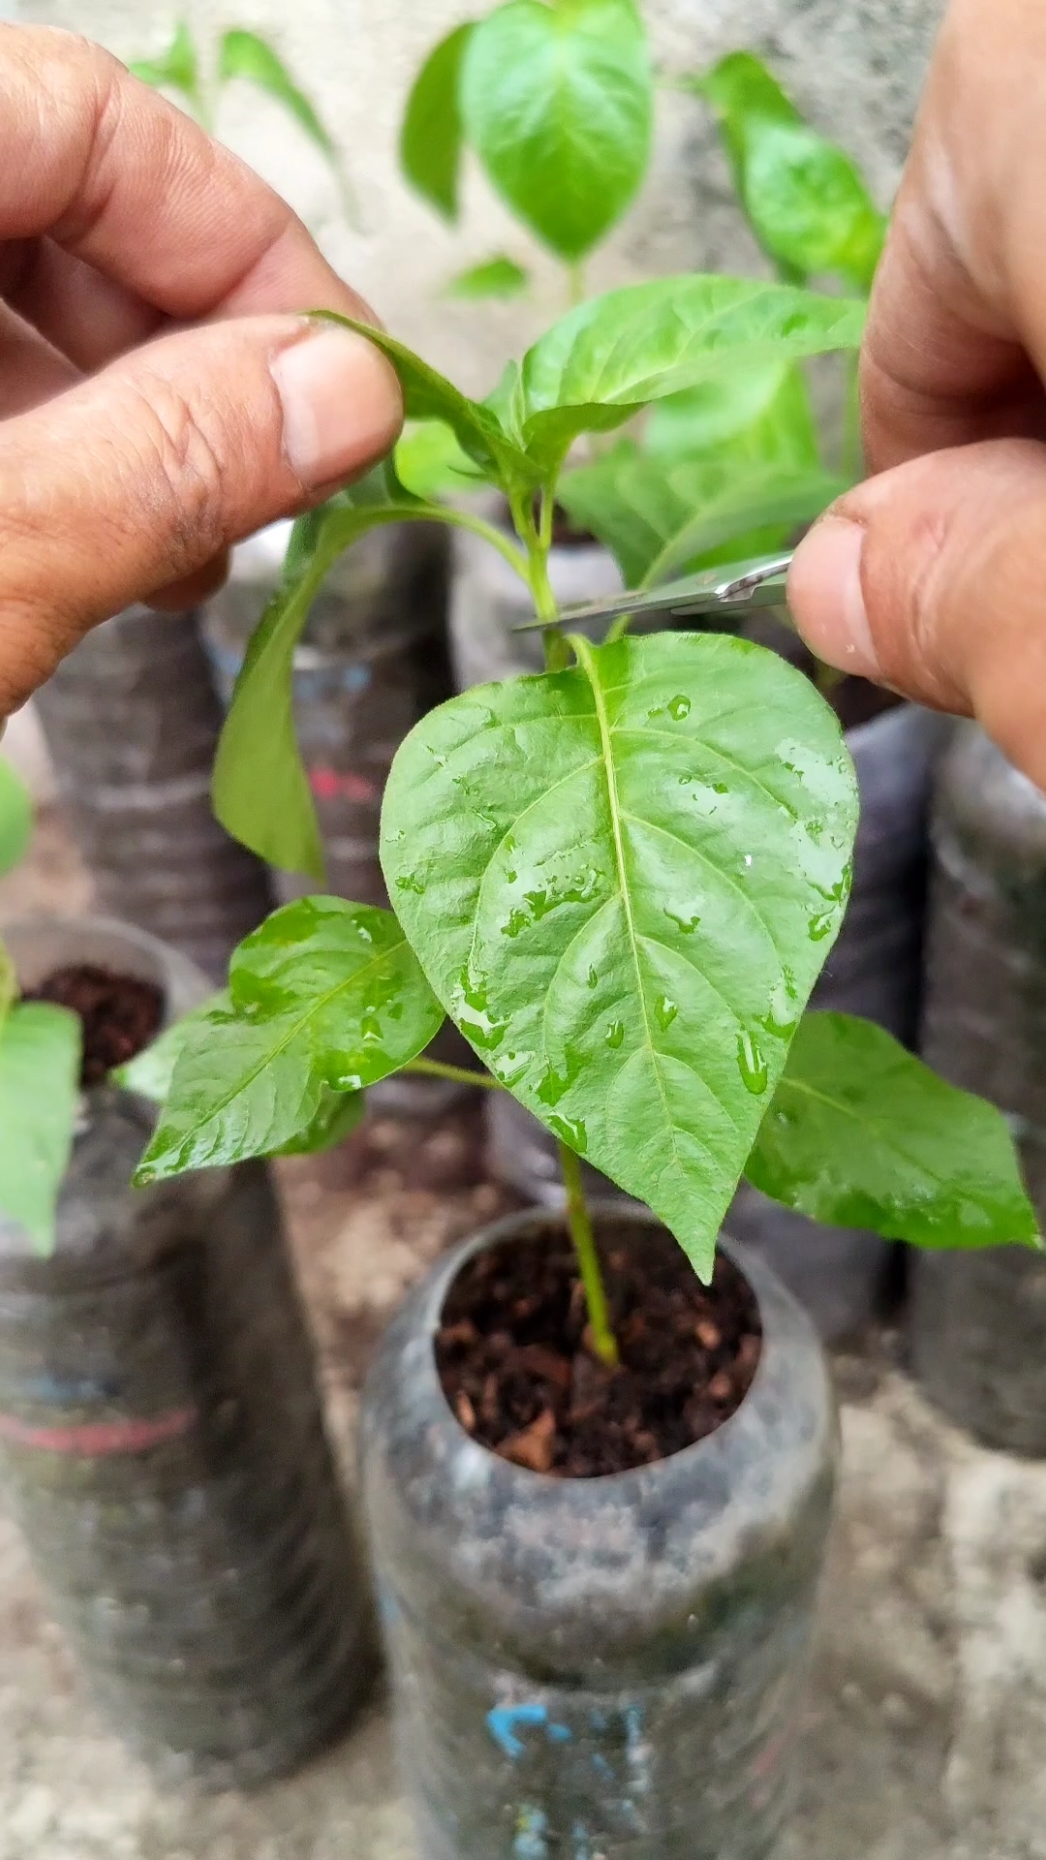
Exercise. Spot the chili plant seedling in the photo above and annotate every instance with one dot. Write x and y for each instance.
(620, 877)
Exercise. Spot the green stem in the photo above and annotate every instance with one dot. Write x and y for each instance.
(464, 520)
(576, 284)
(580, 1225)
(460, 1075)
(617, 629)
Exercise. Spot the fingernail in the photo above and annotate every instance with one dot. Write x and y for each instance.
(342, 406)
(826, 599)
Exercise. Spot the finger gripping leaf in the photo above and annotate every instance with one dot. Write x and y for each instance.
(622, 882)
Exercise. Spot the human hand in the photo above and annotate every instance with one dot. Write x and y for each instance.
(932, 576)
(159, 396)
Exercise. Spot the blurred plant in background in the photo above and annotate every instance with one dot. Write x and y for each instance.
(198, 75)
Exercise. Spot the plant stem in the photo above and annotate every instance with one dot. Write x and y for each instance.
(575, 284)
(435, 1069)
(853, 447)
(580, 1225)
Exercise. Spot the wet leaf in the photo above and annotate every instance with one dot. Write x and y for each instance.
(614, 355)
(662, 518)
(40, 1048)
(557, 103)
(496, 277)
(16, 818)
(339, 1114)
(325, 998)
(622, 881)
(150, 1072)
(431, 136)
(862, 1134)
(805, 199)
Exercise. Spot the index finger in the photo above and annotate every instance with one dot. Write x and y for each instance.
(120, 179)
(956, 345)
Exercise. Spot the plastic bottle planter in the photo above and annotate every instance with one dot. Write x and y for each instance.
(162, 1442)
(132, 724)
(372, 662)
(978, 1320)
(874, 970)
(607, 1666)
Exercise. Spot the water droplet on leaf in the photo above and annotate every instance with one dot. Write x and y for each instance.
(679, 707)
(410, 882)
(665, 1011)
(751, 1064)
(614, 1034)
(572, 1130)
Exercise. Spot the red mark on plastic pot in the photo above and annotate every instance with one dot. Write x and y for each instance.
(339, 785)
(94, 1440)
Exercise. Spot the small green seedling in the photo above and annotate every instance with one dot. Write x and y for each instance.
(620, 878)
(240, 56)
(556, 102)
(40, 1051)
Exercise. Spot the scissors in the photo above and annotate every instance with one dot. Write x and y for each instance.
(732, 588)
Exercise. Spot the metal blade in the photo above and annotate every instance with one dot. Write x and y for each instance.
(734, 587)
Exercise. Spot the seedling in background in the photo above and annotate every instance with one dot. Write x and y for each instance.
(39, 1066)
(240, 55)
(620, 878)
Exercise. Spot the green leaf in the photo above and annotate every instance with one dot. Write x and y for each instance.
(150, 1072)
(806, 200)
(612, 356)
(177, 68)
(754, 415)
(40, 1048)
(260, 789)
(496, 277)
(431, 136)
(430, 463)
(245, 55)
(428, 395)
(662, 518)
(557, 103)
(326, 997)
(16, 818)
(621, 881)
(862, 1134)
(338, 1116)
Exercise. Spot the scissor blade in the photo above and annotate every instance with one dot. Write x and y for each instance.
(733, 587)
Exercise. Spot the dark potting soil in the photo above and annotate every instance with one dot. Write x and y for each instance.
(120, 1014)
(512, 1356)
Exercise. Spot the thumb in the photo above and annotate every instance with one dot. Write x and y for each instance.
(140, 476)
(931, 578)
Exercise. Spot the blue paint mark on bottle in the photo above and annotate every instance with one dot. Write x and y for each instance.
(602, 1767)
(559, 1733)
(504, 1721)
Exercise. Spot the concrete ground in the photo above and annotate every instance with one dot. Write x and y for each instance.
(927, 1718)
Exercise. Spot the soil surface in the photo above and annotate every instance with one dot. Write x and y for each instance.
(120, 1014)
(516, 1368)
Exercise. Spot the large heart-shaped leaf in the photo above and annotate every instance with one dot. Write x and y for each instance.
(616, 354)
(40, 1049)
(862, 1134)
(431, 136)
(325, 998)
(557, 102)
(807, 202)
(16, 817)
(661, 518)
(622, 881)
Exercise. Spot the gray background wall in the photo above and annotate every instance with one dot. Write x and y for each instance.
(855, 65)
